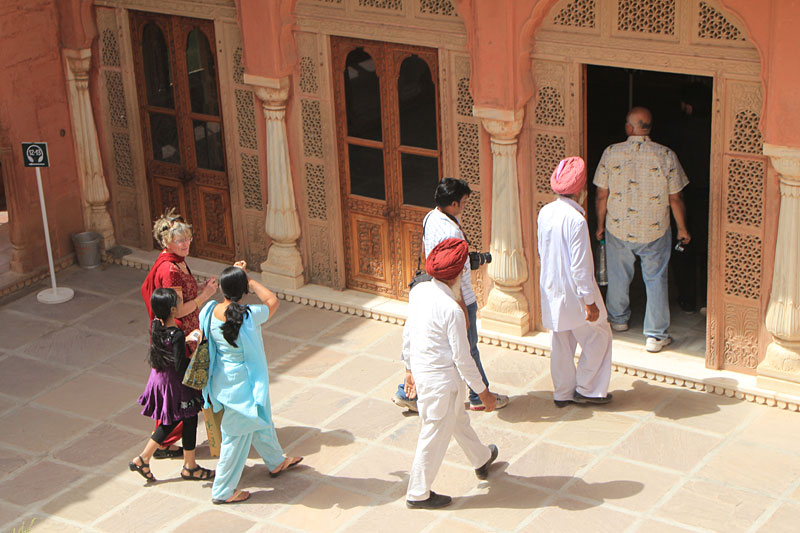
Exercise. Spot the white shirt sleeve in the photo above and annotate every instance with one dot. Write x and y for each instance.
(581, 262)
(406, 352)
(457, 337)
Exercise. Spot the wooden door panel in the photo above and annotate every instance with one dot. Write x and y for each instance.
(371, 257)
(214, 222)
(168, 193)
(413, 254)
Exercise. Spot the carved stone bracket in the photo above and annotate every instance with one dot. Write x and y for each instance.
(94, 192)
(780, 369)
(506, 309)
(283, 268)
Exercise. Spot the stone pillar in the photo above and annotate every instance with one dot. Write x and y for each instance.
(506, 309)
(94, 192)
(283, 268)
(780, 369)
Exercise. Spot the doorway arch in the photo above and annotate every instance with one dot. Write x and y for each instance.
(694, 37)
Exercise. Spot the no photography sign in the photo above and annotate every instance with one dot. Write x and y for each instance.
(35, 154)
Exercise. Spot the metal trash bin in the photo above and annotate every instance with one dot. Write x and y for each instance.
(87, 248)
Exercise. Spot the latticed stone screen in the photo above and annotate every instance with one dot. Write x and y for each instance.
(579, 14)
(713, 25)
(247, 136)
(549, 107)
(646, 16)
(550, 150)
(437, 7)
(746, 135)
(468, 141)
(395, 5)
(116, 113)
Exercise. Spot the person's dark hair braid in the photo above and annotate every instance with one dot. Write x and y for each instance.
(234, 284)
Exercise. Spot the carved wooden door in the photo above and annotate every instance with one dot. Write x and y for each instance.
(387, 111)
(176, 70)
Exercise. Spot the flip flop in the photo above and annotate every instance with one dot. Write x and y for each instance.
(168, 453)
(140, 468)
(205, 473)
(290, 465)
(236, 498)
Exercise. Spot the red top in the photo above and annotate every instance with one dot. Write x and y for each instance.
(167, 274)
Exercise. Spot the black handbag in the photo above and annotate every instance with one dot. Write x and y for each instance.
(420, 275)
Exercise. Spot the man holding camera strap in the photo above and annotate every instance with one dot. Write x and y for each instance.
(439, 224)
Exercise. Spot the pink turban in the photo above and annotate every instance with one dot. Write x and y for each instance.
(569, 177)
(447, 259)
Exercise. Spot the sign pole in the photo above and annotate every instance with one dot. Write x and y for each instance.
(36, 156)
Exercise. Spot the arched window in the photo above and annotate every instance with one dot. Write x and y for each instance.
(416, 102)
(364, 127)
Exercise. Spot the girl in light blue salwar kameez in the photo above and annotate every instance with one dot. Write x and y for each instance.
(238, 380)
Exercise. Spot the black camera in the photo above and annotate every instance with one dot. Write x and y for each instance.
(476, 259)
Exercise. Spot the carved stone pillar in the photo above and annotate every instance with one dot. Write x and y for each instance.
(284, 266)
(94, 192)
(780, 369)
(506, 309)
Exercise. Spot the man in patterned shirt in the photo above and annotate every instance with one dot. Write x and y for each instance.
(638, 182)
(439, 224)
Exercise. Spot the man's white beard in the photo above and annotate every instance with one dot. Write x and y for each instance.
(456, 288)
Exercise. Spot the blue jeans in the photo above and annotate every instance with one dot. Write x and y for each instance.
(620, 257)
(472, 337)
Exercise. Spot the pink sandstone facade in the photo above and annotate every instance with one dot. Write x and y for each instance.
(508, 80)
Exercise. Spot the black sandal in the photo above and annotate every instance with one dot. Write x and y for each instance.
(140, 468)
(168, 453)
(205, 473)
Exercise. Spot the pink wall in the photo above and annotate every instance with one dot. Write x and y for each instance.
(33, 107)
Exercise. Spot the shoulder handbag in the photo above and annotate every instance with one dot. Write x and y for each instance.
(420, 275)
(196, 376)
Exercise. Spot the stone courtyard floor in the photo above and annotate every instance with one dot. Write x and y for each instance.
(658, 458)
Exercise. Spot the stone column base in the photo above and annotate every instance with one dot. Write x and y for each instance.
(780, 369)
(506, 312)
(283, 268)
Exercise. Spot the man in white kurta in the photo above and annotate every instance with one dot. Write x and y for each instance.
(572, 305)
(437, 358)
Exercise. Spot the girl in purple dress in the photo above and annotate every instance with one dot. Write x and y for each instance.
(166, 399)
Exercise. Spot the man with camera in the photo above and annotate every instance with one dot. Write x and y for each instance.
(638, 181)
(437, 361)
(572, 305)
(439, 224)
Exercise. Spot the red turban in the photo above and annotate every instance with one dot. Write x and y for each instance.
(569, 177)
(447, 259)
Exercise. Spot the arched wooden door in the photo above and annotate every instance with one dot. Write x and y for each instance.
(176, 71)
(387, 121)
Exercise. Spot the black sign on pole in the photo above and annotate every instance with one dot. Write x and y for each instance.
(35, 155)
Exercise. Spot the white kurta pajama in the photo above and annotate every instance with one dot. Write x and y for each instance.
(567, 285)
(436, 350)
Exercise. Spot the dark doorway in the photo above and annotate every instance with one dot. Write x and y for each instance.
(681, 108)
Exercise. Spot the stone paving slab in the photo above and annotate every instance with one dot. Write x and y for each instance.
(659, 458)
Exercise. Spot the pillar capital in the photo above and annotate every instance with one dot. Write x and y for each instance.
(273, 92)
(502, 125)
(780, 369)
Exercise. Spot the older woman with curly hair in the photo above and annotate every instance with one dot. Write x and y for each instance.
(170, 271)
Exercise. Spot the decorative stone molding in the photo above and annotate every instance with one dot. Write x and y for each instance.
(780, 369)
(284, 266)
(94, 192)
(506, 309)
